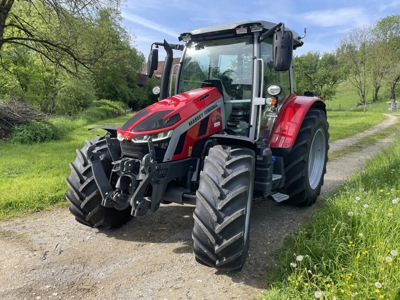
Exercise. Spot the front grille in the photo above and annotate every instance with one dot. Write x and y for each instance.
(134, 150)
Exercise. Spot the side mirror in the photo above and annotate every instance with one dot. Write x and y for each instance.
(152, 63)
(282, 50)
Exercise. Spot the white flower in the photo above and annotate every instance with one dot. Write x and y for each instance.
(390, 215)
(388, 259)
(293, 265)
(318, 294)
(366, 205)
(350, 213)
(358, 198)
(395, 201)
(378, 285)
(361, 235)
(394, 253)
(299, 257)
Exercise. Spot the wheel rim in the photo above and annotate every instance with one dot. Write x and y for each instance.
(316, 158)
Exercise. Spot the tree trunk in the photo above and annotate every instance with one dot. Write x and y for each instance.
(375, 96)
(5, 7)
(393, 103)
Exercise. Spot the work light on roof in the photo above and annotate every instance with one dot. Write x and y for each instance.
(187, 37)
(241, 30)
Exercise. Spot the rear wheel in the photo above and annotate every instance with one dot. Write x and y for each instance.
(305, 164)
(223, 203)
(83, 194)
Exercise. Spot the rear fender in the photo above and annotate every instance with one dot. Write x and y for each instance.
(290, 118)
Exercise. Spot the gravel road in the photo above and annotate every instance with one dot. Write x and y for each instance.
(48, 255)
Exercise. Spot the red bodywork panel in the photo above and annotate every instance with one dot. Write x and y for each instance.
(186, 105)
(289, 120)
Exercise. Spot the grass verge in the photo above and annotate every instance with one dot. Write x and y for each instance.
(33, 176)
(350, 248)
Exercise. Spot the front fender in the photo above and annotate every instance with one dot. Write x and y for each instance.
(290, 118)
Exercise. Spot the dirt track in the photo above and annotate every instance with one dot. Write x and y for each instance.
(50, 256)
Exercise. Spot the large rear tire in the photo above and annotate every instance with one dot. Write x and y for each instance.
(223, 204)
(83, 194)
(305, 164)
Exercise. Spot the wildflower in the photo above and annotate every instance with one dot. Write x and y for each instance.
(318, 294)
(394, 253)
(390, 215)
(388, 259)
(358, 198)
(299, 257)
(350, 213)
(361, 235)
(366, 205)
(381, 190)
(293, 265)
(378, 285)
(395, 201)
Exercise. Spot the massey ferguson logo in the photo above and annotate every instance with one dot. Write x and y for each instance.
(206, 112)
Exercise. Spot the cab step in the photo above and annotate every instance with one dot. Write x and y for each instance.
(279, 197)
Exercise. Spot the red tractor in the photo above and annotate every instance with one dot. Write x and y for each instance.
(232, 129)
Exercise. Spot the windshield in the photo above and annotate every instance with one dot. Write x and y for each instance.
(229, 60)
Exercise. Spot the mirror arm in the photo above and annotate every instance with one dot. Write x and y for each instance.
(271, 31)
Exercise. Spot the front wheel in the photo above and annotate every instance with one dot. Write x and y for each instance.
(305, 164)
(83, 193)
(223, 203)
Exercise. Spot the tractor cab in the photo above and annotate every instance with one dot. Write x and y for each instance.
(249, 63)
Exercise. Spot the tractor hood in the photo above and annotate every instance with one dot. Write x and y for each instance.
(167, 114)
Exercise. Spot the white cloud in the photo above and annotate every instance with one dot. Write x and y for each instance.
(351, 17)
(149, 24)
(390, 5)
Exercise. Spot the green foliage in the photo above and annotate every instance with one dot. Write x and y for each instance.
(350, 246)
(34, 132)
(73, 94)
(318, 74)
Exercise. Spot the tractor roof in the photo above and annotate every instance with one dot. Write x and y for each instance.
(230, 30)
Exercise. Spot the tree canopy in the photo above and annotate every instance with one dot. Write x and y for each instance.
(52, 52)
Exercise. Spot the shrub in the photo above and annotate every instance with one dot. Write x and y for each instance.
(34, 132)
(103, 109)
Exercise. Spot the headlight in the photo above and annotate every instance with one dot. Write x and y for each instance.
(154, 137)
(274, 90)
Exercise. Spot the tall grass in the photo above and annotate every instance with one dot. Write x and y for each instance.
(350, 248)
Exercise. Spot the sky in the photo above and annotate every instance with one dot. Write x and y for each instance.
(326, 21)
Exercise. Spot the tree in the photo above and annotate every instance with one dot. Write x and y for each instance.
(317, 74)
(46, 20)
(43, 39)
(387, 37)
(353, 55)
